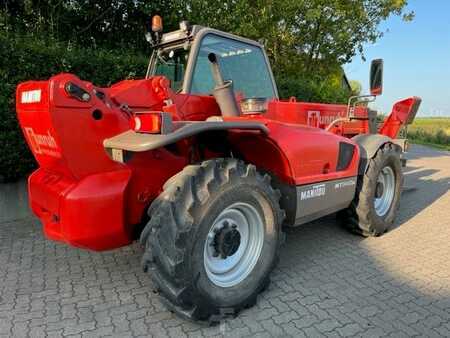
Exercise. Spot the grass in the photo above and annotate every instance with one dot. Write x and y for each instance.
(432, 131)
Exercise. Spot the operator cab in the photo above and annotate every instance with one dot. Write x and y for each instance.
(182, 57)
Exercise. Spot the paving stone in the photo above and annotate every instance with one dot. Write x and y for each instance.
(285, 317)
(329, 283)
(349, 330)
(328, 325)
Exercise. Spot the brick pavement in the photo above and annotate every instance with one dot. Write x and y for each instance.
(329, 283)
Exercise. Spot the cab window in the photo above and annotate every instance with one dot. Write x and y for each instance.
(240, 62)
(172, 64)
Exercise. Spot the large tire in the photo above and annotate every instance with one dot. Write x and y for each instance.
(372, 211)
(182, 219)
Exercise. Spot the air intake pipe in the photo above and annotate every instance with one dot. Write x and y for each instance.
(223, 92)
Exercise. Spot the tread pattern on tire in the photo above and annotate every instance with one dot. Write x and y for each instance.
(358, 217)
(173, 211)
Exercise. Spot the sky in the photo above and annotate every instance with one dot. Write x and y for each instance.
(416, 59)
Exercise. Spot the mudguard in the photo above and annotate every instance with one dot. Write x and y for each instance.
(139, 142)
(368, 146)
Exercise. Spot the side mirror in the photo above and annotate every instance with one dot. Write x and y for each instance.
(376, 77)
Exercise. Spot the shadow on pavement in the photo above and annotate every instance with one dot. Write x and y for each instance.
(424, 191)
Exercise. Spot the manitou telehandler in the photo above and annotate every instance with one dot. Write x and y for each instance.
(205, 163)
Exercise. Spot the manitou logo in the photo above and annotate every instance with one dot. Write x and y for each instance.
(315, 119)
(42, 144)
(315, 191)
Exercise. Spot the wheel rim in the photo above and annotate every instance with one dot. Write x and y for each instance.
(233, 244)
(384, 191)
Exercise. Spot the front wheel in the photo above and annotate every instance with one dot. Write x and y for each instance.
(213, 238)
(378, 191)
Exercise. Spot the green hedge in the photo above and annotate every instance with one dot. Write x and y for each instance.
(327, 90)
(439, 137)
(25, 58)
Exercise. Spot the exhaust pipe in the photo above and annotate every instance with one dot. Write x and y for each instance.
(223, 92)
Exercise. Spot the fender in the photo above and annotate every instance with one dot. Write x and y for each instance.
(263, 152)
(138, 142)
(368, 146)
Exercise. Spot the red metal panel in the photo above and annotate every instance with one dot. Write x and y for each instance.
(92, 213)
(401, 113)
(88, 213)
(77, 181)
(297, 154)
(319, 115)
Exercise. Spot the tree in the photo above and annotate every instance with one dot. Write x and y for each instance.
(310, 36)
(307, 36)
(356, 87)
(118, 24)
(304, 38)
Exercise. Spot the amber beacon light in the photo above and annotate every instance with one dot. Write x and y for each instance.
(157, 24)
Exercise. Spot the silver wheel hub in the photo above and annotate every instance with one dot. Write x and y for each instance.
(233, 244)
(384, 191)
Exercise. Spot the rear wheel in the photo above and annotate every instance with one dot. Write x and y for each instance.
(378, 192)
(213, 238)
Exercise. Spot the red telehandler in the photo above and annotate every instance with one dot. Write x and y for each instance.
(205, 164)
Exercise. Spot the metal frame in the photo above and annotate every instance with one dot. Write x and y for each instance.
(358, 99)
(197, 36)
(151, 65)
(351, 108)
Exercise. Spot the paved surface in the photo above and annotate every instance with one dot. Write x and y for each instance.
(329, 282)
(13, 201)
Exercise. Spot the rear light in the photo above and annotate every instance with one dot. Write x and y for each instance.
(149, 122)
